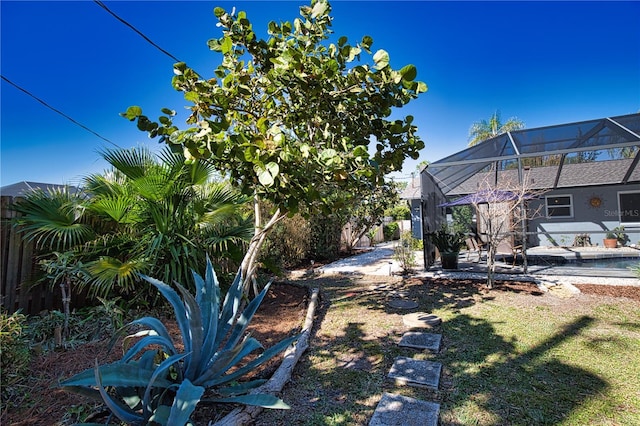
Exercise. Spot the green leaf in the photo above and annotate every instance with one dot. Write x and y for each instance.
(132, 113)
(381, 59)
(226, 45)
(319, 9)
(366, 43)
(267, 175)
(191, 96)
(409, 72)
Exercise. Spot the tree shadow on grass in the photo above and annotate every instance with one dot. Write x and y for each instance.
(354, 343)
(533, 388)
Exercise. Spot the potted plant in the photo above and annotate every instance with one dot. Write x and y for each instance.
(620, 235)
(610, 240)
(448, 243)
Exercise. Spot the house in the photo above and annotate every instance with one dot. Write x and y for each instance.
(588, 170)
(20, 189)
(413, 194)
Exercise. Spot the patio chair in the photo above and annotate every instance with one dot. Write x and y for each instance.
(474, 246)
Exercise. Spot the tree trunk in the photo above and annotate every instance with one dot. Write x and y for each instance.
(248, 265)
(491, 264)
(65, 287)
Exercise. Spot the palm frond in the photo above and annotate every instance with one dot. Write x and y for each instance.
(133, 162)
(53, 219)
(109, 272)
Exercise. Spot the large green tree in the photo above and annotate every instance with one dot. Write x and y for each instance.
(149, 214)
(482, 130)
(295, 117)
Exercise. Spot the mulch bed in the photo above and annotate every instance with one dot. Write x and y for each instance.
(280, 314)
(630, 292)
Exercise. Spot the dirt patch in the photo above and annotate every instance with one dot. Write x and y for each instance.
(630, 292)
(280, 314)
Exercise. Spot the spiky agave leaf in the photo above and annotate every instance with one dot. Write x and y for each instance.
(181, 315)
(258, 399)
(208, 298)
(245, 318)
(211, 379)
(185, 402)
(116, 374)
(119, 409)
(223, 360)
(159, 372)
(240, 388)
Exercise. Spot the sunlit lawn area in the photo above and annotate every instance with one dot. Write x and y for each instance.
(508, 357)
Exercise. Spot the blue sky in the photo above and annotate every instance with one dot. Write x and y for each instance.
(545, 62)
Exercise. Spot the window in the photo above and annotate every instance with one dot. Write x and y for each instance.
(629, 208)
(559, 206)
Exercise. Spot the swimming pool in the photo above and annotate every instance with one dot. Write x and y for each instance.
(597, 262)
(613, 262)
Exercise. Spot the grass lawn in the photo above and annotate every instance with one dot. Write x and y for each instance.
(511, 356)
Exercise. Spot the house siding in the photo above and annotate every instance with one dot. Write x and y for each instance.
(595, 221)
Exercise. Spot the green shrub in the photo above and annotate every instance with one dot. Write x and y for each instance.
(404, 252)
(85, 325)
(14, 355)
(391, 231)
(399, 212)
(153, 382)
(288, 244)
(326, 231)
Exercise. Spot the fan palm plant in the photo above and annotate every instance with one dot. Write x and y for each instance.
(155, 215)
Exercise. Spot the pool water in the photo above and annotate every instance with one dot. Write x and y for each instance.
(601, 263)
(619, 263)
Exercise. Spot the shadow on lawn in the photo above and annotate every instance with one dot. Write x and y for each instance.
(530, 388)
(355, 341)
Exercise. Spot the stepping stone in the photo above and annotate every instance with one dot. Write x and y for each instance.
(416, 372)
(421, 320)
(402, 410)
(420, 340)
(403, 304)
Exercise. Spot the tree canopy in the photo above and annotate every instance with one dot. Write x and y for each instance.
(299, 119)
(292, 118)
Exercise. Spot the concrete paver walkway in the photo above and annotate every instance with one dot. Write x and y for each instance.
(398, 410)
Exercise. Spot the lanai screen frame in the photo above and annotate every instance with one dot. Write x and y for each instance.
(563, 140)
(451, 173)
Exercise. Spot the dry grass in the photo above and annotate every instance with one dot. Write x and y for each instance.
(511, 356)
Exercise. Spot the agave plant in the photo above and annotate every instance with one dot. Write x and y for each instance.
(163, 385)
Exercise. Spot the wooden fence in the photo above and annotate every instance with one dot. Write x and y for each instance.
(20, 272)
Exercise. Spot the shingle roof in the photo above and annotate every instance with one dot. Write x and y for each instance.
(571, 175)
(412, 191)
(20, 189)
(607, 137)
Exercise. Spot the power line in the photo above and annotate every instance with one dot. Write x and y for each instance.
(56, 110)
(102, 5)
